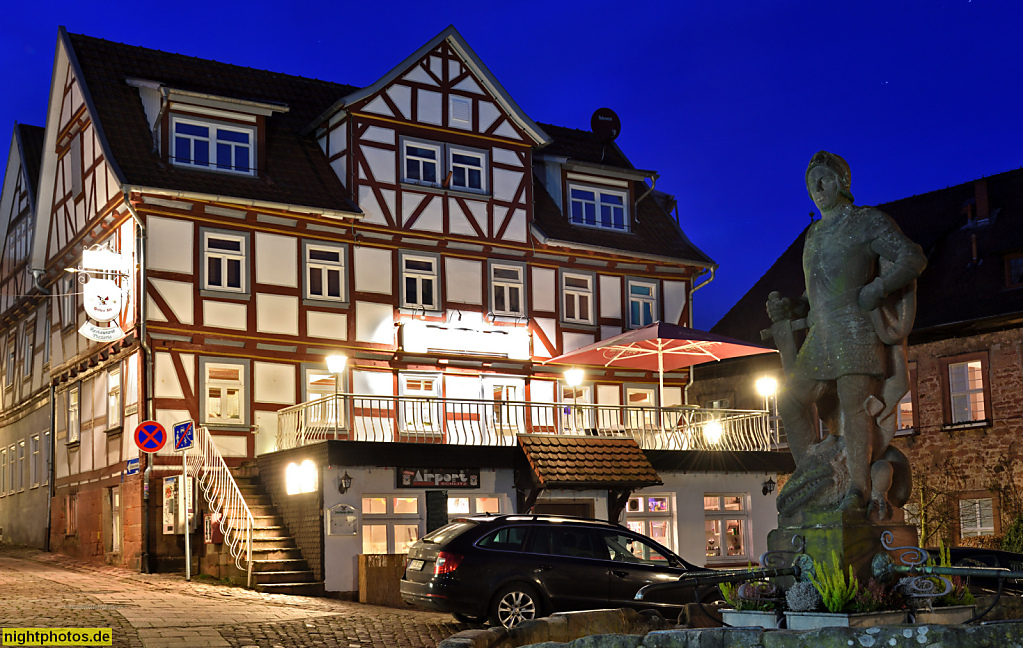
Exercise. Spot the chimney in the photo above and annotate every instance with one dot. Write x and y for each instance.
(980, 192)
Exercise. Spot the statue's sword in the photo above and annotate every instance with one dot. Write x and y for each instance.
(783, 333)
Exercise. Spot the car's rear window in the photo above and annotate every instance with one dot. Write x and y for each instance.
(506, 539)
(446, 533)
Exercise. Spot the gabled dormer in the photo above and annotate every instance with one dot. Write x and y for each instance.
(200, 131)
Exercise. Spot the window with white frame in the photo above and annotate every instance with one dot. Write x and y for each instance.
(598, 207)
(46, 339)
(225, 393)
(652, 516)
(507, 290)
(325, 272)
(642, 302)
(726, 523)
(73, 420)
(578, 415)
(12, 454)
(320, 384)
(976, 517)
(420, 411)
(465, 505)
(468, 169)
(577, 298)
(966, 391)
(114, 409)
(390, 523)
(224, 265)
(22, 467)
(505, 392)
(12, 358)
(68, 300)
(35, 461)
(421, 162)
(3, 472)
(905, 412)
(419, 281)
(30, 348)
(206, 145)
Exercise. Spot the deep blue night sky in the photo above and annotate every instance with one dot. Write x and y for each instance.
(727, 100)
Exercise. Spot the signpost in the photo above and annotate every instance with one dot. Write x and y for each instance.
(150, 436)
(184, 438)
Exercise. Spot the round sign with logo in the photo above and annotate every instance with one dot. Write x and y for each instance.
(102, 299)
(150, 436)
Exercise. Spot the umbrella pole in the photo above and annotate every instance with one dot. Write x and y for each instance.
(660, 382)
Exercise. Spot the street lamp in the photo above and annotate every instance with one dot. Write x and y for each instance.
(574, 378)
(336, 365)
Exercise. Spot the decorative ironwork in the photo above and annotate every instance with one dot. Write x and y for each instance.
(911, 556)
(914, 586)
(776, 558)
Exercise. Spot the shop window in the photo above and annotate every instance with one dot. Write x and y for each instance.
(625, 548)
(726, 524)
(390, 524)
(965, 389)
(652, 516)
(465, 505)
(976, 517)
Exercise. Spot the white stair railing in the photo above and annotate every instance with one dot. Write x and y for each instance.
(225, 500)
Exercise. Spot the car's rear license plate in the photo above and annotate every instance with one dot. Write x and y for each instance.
(415, 565)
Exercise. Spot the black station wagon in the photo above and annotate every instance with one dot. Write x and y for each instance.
(513, 568)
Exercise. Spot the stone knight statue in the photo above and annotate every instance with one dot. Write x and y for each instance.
(858, 309)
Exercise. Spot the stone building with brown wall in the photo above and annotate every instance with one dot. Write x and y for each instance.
(961, 425)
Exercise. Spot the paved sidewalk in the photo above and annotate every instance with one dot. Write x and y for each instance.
(40, 589)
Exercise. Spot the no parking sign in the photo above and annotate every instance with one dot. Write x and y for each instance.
(150, 436)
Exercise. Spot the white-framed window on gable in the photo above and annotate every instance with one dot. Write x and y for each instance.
(325, 272)
(577, 298)
(114, 410)
(468, 169)
(224, 389)
(419, 281)
(420, 162)
(642, 302)
(507, 289)
(224, 261)
(598, 207)
(208, 145)
(73, 419)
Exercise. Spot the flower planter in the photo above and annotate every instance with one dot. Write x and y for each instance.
(814, 620)
(751, 618)
(951, 615)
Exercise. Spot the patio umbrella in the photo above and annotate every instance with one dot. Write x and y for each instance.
(662, 347)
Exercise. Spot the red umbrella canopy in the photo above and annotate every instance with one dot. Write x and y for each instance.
(678, 346)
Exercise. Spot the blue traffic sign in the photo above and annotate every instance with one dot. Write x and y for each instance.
(184, 435)
(150, 436)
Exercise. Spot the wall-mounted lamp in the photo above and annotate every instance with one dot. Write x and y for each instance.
(768, 486)
(345, 483)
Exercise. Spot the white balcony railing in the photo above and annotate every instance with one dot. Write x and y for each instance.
(356, 417)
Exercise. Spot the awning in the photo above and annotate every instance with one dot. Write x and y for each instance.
(569, 461)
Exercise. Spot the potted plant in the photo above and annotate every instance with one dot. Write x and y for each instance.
(841, 596)
(756, 604)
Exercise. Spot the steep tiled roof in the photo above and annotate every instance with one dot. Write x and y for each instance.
(583, 146)
(296, 170)
(32, 150)
(953, 289)
(585, 461)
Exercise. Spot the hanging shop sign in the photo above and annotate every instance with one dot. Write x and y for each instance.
(102, 296)
(438, 477)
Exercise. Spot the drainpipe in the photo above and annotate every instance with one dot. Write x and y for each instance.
(147, 369)
(635, 205)
(50, 473)
(692, 370)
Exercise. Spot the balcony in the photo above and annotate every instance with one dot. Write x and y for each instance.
(355, 417)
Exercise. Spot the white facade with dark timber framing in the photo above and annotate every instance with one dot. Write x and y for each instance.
(425, 228)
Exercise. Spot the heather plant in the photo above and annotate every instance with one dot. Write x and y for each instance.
(837, 591)
(876, 596)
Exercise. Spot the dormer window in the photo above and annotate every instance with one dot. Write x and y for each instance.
(209, 145)
(598, 207)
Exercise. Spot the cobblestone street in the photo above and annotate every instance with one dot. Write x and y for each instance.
(40, 589)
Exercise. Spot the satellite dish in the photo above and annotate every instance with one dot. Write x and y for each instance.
(605, 124)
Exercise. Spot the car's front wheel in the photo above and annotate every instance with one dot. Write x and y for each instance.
(514, 604)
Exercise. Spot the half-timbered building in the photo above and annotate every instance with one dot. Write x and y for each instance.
(423, 227)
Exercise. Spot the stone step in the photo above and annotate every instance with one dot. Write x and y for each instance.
(280, 542)
(269, 532)
(268, 577)
(284, 564)
(276, 553)
(295, 589)
(263, 521)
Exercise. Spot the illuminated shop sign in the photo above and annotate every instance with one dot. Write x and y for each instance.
(438, 477)
(102, 296)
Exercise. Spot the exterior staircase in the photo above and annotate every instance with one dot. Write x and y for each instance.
(277, 563)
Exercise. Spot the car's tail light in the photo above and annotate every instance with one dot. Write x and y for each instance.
(447, 562)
